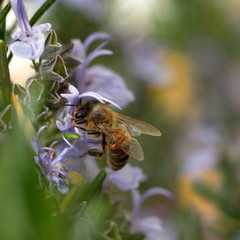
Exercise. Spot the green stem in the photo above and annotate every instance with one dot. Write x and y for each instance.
(5, 84)
(41, 11)
(3, 31)
(1, 34)
(4, 13)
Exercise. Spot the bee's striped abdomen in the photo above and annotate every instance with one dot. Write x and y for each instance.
(118, 158)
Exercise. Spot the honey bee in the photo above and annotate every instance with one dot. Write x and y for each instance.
(117, 131)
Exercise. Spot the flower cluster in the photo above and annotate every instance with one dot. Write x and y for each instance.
(64, 80)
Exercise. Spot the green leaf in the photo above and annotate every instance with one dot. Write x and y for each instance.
(52, 76)
(46, 66)
(41, 11)
(4, 13)
(51, 51)
(51, 39)
(53, 96)
(60, 68)
(112, 233)
(84, 194)
(19, 91)
(5, 83)
(34, 90)
(53, 70)
(71, 63)
(95, 186)
(6, 118)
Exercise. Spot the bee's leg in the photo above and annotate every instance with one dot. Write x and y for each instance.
(93, 132)
(104, 143)
(78, 122)
(93, 153)
(83, 129)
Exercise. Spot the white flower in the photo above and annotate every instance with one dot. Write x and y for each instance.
(127, 178)
(30, 44)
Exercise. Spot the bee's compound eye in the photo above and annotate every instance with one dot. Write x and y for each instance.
(80, 114)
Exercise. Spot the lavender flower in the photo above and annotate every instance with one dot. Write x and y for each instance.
(201, 153)
(73, 98)
(108, 84)
(31, 40)
(51, 164)
(99, 79)
(148, 62)
(127, 178)
(59, 159)
(151, 226)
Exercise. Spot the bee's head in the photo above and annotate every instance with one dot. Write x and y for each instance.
(82, 110)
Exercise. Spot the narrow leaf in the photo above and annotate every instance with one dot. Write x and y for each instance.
(4, 13)
(41, 11)
(95, 186)
(5, 83)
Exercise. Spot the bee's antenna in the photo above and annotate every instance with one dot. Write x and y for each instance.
(79, 102)
(66, 105)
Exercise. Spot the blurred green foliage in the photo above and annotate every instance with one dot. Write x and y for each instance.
(196, 21)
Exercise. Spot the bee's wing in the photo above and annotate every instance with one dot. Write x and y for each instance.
(133, 131)
(136, 127)
(131, 146)
(135, 151)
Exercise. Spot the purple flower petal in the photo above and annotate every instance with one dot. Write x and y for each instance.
(64, 126)
(46, 27)
(108, 84)
(156, 191)
(35, 142)
(78, 49)
(90, 94)
(96, 54)
(26, 50)
(96, 36)
(20, 12)
(151, 226)
(73, 96)
(138, 200)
